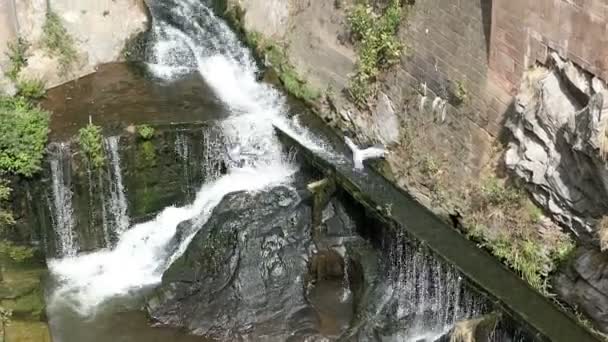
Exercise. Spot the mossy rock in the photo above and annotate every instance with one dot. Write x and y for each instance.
(29, 307)
(27, 331)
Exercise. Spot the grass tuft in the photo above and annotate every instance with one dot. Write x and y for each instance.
(58, 41)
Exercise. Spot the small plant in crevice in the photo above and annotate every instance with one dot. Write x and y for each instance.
(90, 140)
(57, 40)
(17, 54)
(31, 89)
(145, 132)
(461, 93)
(276, 57)
(378, 46)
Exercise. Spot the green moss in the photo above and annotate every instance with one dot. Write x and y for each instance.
(294, 83)
(90, 140)
(215, 248)
(146, 155)
(29, 307)
(275, 55)
(461, 92)
(18, 55)
(24, 131)
(378, 46)
(145, 132)
(57, 40)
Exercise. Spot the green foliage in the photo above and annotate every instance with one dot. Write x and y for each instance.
(504, 221)
(148, 153)
(90, 140)
(6, 216)
(495, 193)
(15, 252)
(378, 46)
(18, 55)
(31, 89)
(57, 40)
(24, 131)
(290, 79)
(461, 92)
(145, 132)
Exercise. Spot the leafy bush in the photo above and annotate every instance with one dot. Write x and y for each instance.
(31, 89)
(57, 40)
(24, 131)
(90, 140)
(145, 132)
(378, 46)
(6, 217)
(18, 55)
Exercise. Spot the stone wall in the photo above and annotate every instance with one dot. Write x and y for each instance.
(100, 29)
(523, 31)
(448, 44)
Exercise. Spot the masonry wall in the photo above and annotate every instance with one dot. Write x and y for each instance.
(448, 44)
(523, 31)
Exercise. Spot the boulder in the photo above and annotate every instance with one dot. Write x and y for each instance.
(557, 145)
(583, 284)
(242, 275)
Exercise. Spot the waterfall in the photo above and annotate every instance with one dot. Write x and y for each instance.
(62, 209)
(116, 204)
(429, 295)
(182, 150)
(188, 37)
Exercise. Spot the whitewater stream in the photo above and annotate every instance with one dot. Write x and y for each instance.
(96, 293)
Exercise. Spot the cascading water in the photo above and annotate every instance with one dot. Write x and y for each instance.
(425, 296)
(187, 34)
(116, 212)
(241, 153)
(62, 209)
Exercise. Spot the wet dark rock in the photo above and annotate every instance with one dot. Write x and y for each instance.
(584, 284)
(242, 276)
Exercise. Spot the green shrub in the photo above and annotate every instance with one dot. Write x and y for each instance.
(6, 216)
(57, 40)
(31, 89)
(378, 46)
(24, 131)
(90, 140)
(145, 132)
(18, 55)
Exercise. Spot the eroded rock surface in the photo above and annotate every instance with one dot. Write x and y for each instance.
(584, 285)
(242, 275)
(100, 29)
(557, 146)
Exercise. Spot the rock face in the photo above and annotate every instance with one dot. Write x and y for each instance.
(242, 275)
(583, 285)
(99, 28)
(557, 146)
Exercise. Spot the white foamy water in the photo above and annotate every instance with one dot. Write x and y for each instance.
(203, 43)
(139, 259)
